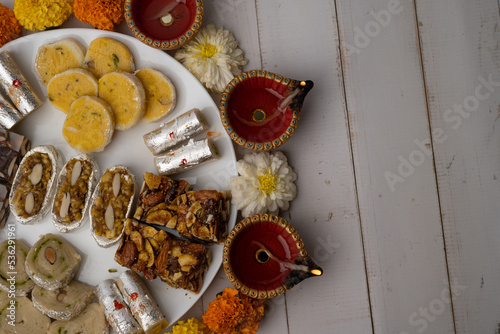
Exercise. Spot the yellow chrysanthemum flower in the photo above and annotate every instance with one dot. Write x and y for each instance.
(42, 14)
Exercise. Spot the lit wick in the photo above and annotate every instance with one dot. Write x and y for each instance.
(317, 272)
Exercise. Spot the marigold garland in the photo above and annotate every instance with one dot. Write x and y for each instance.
(192, 326)
(231, 313)
(9, 26)
(42, 14)
(101, 14)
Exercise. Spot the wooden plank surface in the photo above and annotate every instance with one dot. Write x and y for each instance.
(397, 190)
(461, 60)
(299, 39)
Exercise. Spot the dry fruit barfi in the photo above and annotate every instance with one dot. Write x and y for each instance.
(91, 321)
(152, 252)
(111, 204)
(160, 94)
(64, 303)
(156, 195)
(74, 189)
(51, 262)
(14, 271)
(202, 215)
(57, 57)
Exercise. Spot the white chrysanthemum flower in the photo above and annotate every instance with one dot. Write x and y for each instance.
(265, 185)
(213, 57)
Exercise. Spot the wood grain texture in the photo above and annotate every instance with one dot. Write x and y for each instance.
(299, 39)
(401, 222)
(461, 52)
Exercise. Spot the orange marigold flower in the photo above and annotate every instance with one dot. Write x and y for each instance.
(101, 14)
(42, 14)
(231, 313)
(9, 26)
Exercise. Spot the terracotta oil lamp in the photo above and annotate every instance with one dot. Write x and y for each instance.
(164, 24)
(260, 110)
(264, 256)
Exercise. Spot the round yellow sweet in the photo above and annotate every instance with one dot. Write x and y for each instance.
(57, 57)
(89, 125)
(160, 94)
(66, 87)
(125, 94)
(106, 55)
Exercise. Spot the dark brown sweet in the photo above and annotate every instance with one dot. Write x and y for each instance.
(13, 147)
(152, 252)
(4, 203)
(203, 215)
(157, 193)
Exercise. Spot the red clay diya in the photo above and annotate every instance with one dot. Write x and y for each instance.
(264, 256)
(260, 110)
(164, 24)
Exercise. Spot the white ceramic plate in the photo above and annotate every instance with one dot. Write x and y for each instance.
(44, 126)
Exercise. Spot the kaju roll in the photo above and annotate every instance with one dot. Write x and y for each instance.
(176, 131)
(117, 312)
(185, 157)
(9, 116)
(16, 86)
(141, 303)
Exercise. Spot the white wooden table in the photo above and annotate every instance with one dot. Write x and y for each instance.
(398, 159)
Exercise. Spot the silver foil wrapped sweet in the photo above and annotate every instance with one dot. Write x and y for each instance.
(141, 303)
(9, 116)
(176, 131)
(101, 240)
(185, 157)
(84, 173)
(117, 312)
(16, 86)
(23, 182)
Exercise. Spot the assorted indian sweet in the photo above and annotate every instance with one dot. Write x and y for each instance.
(65, 303)
(64, 88)
(13, 254)
(13, 147)
(75, 185)
(125, 94)
(111, 204)
(157, 193)
(90, 321)
(34, 183)
(105, 55)
(117, 312)
(57, 57)
(201, 215)
(89, 125)
(141, 303)
(51, 262)
(27, 318)
(160, 94)
(152, 252)
(4, 203)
